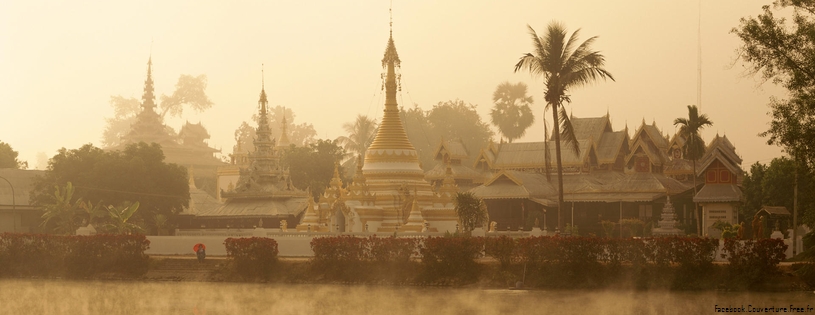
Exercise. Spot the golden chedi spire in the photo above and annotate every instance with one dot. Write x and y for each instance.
(391, 151)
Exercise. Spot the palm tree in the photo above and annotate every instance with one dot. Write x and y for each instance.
(689, 128)
(511, 113)
(360, 135)
(564, 65)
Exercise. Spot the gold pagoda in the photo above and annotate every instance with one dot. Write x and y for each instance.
(389, 192)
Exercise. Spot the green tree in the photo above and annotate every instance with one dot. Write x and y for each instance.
(119, 219)
(778, 183)
(361, 134)
(450, 119)
(782, 52)
(689, 128)
(512, 114)
(62, 215)
(471, 211)
(138, 173)
(753, 192)
(563, 64)
(312, 166)
(8, 157)
(189, 90)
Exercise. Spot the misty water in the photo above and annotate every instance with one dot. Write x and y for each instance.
(84, 297)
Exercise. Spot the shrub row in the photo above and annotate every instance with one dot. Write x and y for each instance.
(752, 261)
(355, 249)
(40, 255)
(354, 259)
(252, 257)
(589, 250)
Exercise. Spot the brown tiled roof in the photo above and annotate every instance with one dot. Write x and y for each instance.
(261, 207)
(454, 147)
(719, 193)
(459, 172)
(775, 210)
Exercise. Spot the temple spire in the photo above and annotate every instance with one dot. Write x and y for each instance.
(391, 133)
(284, 138)
(148, 99)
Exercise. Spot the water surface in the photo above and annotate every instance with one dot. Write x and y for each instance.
(88, 297)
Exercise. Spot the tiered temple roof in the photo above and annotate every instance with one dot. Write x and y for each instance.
(264, 188)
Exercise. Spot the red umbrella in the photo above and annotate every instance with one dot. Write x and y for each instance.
(197, 246)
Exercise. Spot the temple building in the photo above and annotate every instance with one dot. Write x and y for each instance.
(451, 154)
(389, 192)
(228, 175)
(17, 214)
(613, 177)
(188, 148)
(263, 195)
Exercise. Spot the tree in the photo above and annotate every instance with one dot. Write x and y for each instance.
(8, 157)
(448, 120)
(312, 166)
(360, 135)
(783, 52)
(299, 135)
(190, 90)
(119, 219)
(62, 215)
(470, 210)
(773, 185)
(694, 148)
(511, 113)
(136, 174)
(753, 192)
(563, 64)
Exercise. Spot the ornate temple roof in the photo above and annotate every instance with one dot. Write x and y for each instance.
(264, 188)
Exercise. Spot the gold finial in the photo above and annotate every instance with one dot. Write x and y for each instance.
(390, 11)
(262, 77)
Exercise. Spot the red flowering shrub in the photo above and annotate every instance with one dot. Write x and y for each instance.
(390, 249)
(253, 257)
(341, 249)
(451, 258)
(751, 261)
(72, 256)
(501, 248)
(347, 258)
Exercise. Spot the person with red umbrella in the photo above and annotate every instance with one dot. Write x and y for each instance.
(200, 251)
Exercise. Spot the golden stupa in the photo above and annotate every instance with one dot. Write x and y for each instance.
(388, 192)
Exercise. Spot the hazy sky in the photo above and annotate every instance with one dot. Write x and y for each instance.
(60, 61)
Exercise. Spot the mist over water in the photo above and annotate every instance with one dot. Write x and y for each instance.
(71, 297)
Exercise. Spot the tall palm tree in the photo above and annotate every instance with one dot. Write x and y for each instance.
(564, 64)
(511, 113)
(360, 135)
(689, 128)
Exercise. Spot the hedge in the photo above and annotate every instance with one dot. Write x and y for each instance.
(42, 255)
(252, 257)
